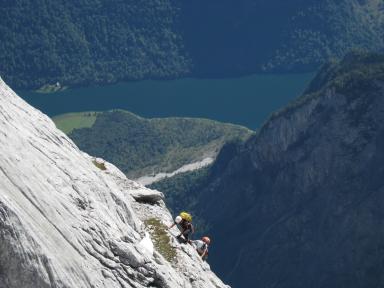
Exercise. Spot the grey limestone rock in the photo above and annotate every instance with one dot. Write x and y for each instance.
(65, 222)
(147, 195)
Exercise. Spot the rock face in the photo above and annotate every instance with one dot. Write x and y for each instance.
(148, 196)
(66, 221)
(303, 200)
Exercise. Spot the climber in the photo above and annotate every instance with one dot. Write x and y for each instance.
(201, 246)
(184, 223)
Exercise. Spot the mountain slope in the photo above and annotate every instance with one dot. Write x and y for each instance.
(65, 222)
(86, 42)
(300, 204)
(141, 147)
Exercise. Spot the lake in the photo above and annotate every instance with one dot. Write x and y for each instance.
(246, 101)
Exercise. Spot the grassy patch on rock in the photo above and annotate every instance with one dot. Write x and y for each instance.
(161, 239)
(99, 165)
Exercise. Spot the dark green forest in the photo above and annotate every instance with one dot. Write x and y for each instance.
(140, 146)
(234, 37)
(88, 42)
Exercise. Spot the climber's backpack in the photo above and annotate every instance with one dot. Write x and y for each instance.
(186, 216)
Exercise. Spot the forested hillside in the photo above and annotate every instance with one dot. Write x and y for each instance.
(89, 41)
(142, 147)
(232, 37)
(102, 41)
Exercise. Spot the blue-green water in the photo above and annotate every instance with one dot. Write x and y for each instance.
(247, 101)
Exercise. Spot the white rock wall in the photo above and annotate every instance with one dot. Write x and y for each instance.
(66, 223)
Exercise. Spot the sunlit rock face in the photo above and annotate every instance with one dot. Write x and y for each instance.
(69, 220)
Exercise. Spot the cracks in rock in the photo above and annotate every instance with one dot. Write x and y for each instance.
(43, 153)
(81, 203)
(41, 212)
(49, 270)
(14, 258)
(124, 274)
(124, 213)
(106, 262)
(53, 161)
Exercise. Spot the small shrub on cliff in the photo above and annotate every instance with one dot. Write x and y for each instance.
(101, 166)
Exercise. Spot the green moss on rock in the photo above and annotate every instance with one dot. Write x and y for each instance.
(161, 239)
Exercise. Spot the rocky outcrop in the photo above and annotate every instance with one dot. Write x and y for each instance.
(68, 221)
(302, 201)
(148, 196)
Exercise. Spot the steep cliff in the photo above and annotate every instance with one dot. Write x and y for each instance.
(301, 203)
(69, 220)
